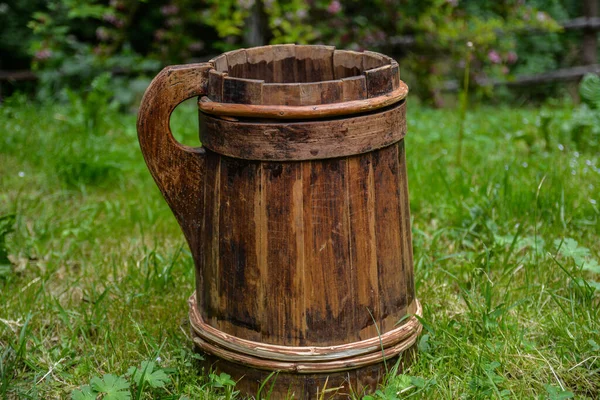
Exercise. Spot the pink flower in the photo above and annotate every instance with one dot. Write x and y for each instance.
(196, 46)
(43, 54)
(117, 4)
(512, 57)
(102, 34)
(171, 22)
(113, 19)
(301, 14)
(160, 34)
(334, 7)
(541, 16)
(170, 9)
(494, 57)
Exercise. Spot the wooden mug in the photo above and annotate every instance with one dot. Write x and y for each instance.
(296, 213)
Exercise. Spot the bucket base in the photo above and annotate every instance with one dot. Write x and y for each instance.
(334, 385)
(339, 371)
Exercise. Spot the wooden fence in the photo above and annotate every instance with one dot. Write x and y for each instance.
(589, 24)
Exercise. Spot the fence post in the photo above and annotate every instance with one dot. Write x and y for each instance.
(590, 37)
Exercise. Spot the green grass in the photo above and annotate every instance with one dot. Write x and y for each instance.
(98, 272)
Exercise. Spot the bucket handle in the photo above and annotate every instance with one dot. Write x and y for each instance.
(176, 169)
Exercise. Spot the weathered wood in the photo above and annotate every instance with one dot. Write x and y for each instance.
(306, 367)
(237, 62)
(299, 229)
(390, 255)
(174, 167)
(305, 140)
(316, 93)
(293, 353)
(302, 112)
(220, 63)
(290, 76)
(379, 81)
(286, 321)
(347, 63)
(215, 84)
(328, 294)
(363, 244)
(281, 94)
(395, 72)
(372, 60)
(315, 63)
(354, 88)
(242, 91)
(405, 231)
(285, 68)
(207, 263)
(342, 385)
(239, 270)
(260, 63)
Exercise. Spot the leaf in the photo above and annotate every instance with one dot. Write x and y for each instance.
(147, 374)
(404, 382)
(113, 387)
(592, 266)
(418, 381)
(580, 255)
(84, 393)
(6, 226)
(594, 284)
(424, 345)
(589, 90)
(555, 393)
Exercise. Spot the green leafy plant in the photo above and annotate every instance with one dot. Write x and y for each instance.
(7, 223)
(109, 387)
(148, 374)
(112, 387)
(224, 382)
(581, 256)
(584, 125)
(589, 90)
(555, 393)
(76, 41)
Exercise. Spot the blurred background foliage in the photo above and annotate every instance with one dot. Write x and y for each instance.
(69, 43)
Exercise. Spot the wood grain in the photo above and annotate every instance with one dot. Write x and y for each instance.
(260, 63)
(299, 228)
(285, 68)
(237, 62)
(281, 94)
(239, 271)
(285, 322)
(379, 81)
(354, 88)
(265, 111)
(242, 91)
(363, 244)
(215, 84)
(390, 265)
(309, 140)
(347, 63)
(176, 169)
(315, 63)
(328, 291)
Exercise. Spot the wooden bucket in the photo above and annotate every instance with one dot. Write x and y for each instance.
(296, 212)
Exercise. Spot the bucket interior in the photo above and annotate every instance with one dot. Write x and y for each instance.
(300, 75)
(298, 63)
